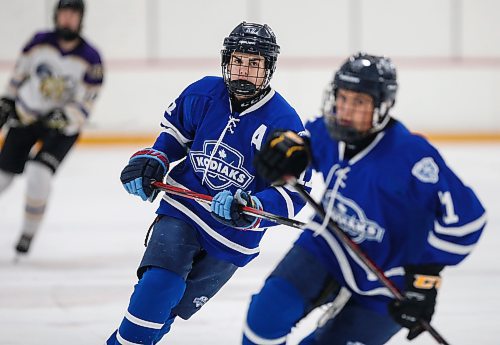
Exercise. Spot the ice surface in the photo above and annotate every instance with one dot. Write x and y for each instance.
(74, 286)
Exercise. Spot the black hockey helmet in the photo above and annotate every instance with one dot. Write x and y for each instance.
(250, 38)
(77, 5)
(365, 73)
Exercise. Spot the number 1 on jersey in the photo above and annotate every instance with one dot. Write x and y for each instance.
(450, 216)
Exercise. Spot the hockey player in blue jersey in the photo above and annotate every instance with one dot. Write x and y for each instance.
(216, 125)
(391, 192)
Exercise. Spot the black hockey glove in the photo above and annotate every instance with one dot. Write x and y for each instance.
(56, 119)
(144, 166)
(226, 208)
(284, 154)
(422, 283)
(7, 110)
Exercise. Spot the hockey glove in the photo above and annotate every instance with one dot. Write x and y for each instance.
(144, 166)
(56, 119)
(284, 154)
(422, 283)
(7, 110)
(226, 208)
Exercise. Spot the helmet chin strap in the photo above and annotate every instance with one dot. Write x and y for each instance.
(380, 121)
(242, 88)
(380, 125)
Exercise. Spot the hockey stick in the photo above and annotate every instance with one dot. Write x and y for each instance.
(167, 188)
(372, 266)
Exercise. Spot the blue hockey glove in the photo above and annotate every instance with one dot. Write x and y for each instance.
(422, 283)
(144, 166)
(226, 208)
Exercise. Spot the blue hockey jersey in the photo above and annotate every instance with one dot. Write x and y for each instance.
(219, 146)
(399, 201)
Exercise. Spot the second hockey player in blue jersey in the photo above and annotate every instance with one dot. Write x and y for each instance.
(392, 193)
(216, 125)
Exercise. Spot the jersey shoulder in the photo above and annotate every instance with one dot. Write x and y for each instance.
(407, 145)
(318, 133)
(282, 114)
(316, 125)
(209, 86)
(89, 52)
(410, 163)
(40, 37)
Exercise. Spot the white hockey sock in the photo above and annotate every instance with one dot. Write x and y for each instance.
(5, 180)
(39, 178)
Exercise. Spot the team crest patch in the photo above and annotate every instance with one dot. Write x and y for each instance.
(224, 169)
(352, 219)
(426, 170)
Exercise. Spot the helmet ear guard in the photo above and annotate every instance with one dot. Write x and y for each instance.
(363, 73)
(250, 38)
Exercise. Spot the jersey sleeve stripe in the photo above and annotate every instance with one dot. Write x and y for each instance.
(123, 341)
(395, 271)
(141, 322)
(289, 203)
(15, 83)
(206, 206)
(209, 231)
(449, 247)
(256, 339)
(463, 230)
(169, 128)
(345, 266)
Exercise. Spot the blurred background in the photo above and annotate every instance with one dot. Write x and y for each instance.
(80, 273)
(447, 53)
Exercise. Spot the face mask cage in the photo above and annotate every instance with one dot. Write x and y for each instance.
(349, 134)
(243, 79)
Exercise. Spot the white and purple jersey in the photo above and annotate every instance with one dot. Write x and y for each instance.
(399, 201)
(219, 145)
(46, 78)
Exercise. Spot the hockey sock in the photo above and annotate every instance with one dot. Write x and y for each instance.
(39, 178)
(272, 313)
(5, 180)
(156, 293)
(166, 328)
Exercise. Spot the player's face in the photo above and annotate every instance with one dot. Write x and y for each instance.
(354, 109)
(68, 18)
(248, 67)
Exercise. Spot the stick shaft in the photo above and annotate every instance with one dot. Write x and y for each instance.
(245, 209)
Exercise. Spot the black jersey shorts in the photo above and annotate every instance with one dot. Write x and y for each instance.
(20, 145)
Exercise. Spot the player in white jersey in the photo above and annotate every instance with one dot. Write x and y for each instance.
(214, 129)
(392, 193)
(49, 98)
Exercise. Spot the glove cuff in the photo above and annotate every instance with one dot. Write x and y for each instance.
(424, 277)
(160, 156)
(246, 199)
(257, 205)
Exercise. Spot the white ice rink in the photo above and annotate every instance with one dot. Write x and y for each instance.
(74, 286)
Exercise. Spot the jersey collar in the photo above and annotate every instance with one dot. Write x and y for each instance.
(361, 154)
(259, 103)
